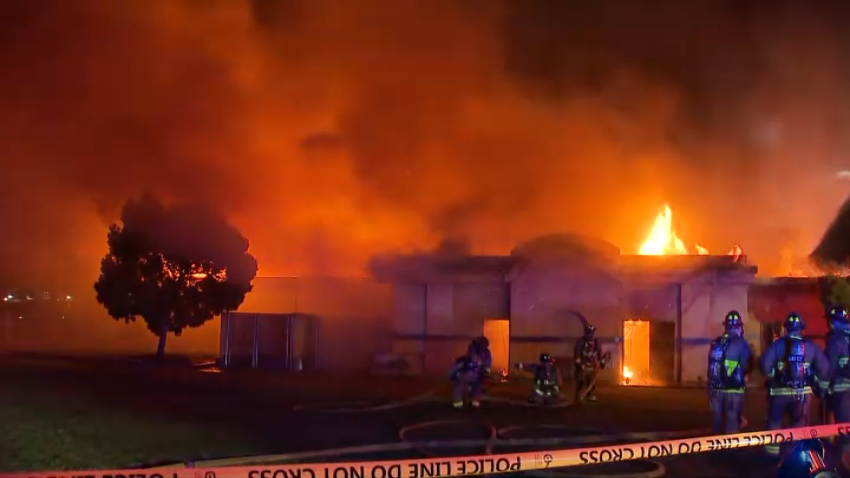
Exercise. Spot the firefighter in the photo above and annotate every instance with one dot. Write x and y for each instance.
(838, 353)
(794, 367)
(547, 379)
(470, 371)
(728, 366)
(588, 360)
(481, 345)
(466, 378)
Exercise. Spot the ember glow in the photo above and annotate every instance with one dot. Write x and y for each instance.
(663, 241)
(195, 272)
(627, 375)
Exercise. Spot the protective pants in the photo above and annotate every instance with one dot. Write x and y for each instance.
(467, 382)
(797, 406)
(584, 375)
(839, 404)
(726, 407)
(543, 393)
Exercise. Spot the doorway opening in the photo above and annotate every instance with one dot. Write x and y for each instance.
(636, 346)
(662, 353)
(498, 332)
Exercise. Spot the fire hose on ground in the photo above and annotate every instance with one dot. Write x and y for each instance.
(488, 444)
(534, 462)
(495, 438)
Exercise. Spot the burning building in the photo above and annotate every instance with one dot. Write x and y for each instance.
(656, 312)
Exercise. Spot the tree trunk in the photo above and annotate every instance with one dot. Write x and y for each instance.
(163, 334)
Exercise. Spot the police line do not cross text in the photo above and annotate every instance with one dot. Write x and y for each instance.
(432, 469)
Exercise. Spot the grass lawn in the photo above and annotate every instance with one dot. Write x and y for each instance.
(98, 413)
(70, 430)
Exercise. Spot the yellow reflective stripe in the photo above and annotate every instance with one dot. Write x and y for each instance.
(791, 391)
(841, 387)
(730, 365)
(730, 390)
(781, 365)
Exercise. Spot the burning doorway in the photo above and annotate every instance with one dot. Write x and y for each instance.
(498, 332)
(636, 348)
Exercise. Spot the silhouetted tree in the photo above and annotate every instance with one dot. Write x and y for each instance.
(175, 267)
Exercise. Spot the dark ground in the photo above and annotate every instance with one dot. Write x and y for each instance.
(111, 412)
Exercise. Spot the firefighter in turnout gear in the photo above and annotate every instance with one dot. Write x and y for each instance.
(468, 373)
(794, 367)
(588, 360)
(838, 353)
(547, 379)
(465, 377)
(482, 348)
(728, 366)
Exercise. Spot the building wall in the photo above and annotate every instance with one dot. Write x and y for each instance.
(434, 323)
(544, 297)
(269, 340)
(705, 302)
(473, 303)
(355, 315)
(656, 301)
(431, 324)
(408, 324)
(771, 302)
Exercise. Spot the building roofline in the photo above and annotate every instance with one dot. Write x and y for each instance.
(427, 267)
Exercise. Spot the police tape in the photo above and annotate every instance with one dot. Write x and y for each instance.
(474, 465)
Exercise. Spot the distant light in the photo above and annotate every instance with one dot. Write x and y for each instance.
(20, 317)
(5, 299)
(67, 297)
(843, 174)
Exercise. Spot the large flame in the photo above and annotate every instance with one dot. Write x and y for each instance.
(663, 241)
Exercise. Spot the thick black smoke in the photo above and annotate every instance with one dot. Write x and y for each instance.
(329, 130)
(191, 232)
(833, 251)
